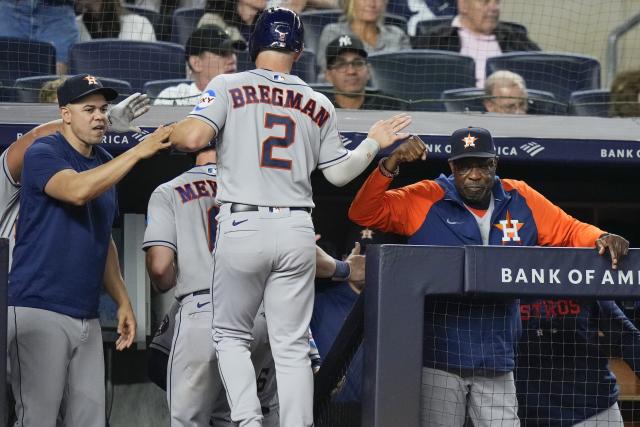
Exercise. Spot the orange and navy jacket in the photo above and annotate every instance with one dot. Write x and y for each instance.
(464, 334)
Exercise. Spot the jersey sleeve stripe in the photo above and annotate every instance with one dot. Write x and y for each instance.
(6, 172)
(207, 120)
(342, 158)
(150, 243)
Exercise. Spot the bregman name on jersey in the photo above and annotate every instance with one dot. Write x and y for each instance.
(264, 94)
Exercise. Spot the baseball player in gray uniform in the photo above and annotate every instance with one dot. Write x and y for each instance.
(179, 238)
(273, 131)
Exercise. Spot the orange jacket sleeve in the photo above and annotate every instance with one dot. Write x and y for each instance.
(555, 226)
(401, 211)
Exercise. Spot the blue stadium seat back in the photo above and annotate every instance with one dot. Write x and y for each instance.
(560, 74)
(154, 17)
(27, 89)
(315, 20)
(437, 7)
(184, 22)
(153, 88)
(132, 61)
(420, 76)
(305, 67)
(590, 103)
(471, 99)
(25, 58)
(462, 100)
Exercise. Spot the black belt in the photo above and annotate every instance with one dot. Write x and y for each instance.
(200, 292)
(239, 207)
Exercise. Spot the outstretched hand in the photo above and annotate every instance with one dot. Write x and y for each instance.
(386, 132)
(618, 247)
(122, 114)
(154, 142)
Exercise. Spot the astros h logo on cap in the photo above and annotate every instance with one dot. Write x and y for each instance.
(471, 142)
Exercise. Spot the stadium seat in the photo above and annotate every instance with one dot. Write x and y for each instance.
(590, 103)
(471, 99)
(132, 61)
(23, 58)
(27, 89)
(560, 74)
(415, 75)
(154, 87)
(185, 21)
(315, 20)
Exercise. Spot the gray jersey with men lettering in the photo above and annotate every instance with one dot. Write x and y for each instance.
(178, 205)
(279, 131)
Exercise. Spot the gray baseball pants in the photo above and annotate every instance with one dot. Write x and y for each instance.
(57, 368)
(267, 254)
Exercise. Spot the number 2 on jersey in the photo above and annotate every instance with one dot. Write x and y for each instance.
(266, 159)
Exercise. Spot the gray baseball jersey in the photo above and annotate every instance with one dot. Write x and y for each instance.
(175, 219)
(273, 131)
(9, 204)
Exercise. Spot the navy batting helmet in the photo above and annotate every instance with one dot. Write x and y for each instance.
(277, 28)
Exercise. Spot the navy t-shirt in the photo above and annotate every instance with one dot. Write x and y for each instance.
(61, 249)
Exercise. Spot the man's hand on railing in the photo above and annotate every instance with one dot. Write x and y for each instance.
(618, 247)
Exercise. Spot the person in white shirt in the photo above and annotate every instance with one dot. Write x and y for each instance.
(108, 19)
(208, 52)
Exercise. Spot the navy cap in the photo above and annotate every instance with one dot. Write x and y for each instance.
(344, 43)
(211, 38)
(471, 142)
(81, 85)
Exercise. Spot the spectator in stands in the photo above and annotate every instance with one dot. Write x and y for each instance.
(505, 93)
(476, 32)
(421, 10)
(562, 374)
(236, 17)
(166, 6)
(364, 19)
(45, 20)
(208, 52)
(103, 19)
(625, 94)
(348, 72)
(48, 92)
(469, 343)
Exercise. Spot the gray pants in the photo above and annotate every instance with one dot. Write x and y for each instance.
(491, 401)
(194, 389)
(270, 255)
(610, 417)
(57, 368)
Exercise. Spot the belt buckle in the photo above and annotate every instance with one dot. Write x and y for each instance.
(274, 210)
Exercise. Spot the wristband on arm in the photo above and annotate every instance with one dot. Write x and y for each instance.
(343, 271)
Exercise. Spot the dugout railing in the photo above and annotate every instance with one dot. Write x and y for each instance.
(400, 276)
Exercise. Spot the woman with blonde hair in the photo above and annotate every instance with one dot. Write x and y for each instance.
(364, 19)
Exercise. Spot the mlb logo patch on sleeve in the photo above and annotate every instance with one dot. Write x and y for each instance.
(205, 100)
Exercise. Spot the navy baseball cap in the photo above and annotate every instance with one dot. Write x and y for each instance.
(471, 142)
(81, 85)
(344, 43)
(211, 38)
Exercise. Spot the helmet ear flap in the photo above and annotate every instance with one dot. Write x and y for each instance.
(276, 28)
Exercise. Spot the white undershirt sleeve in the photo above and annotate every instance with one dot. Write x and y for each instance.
(342, 173)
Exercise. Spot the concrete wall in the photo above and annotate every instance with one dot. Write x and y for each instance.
(579, 26)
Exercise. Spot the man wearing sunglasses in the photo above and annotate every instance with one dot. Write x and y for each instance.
(348, 72)
(468, 353)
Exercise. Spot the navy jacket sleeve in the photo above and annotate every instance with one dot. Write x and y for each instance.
(621, 333)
